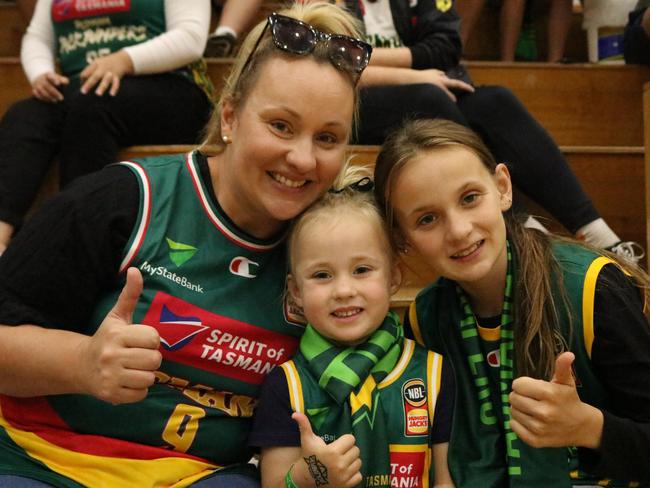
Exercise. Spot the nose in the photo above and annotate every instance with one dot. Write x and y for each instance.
(459, 226)
(344, 288)
(301, 155)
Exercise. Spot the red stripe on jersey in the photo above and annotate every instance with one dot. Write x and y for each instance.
(74, 9)
(222, 345)
(36, 415)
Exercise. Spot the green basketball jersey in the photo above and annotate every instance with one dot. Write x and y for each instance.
(476, 458)
(408, 397)
(215, 296)
(85, 30)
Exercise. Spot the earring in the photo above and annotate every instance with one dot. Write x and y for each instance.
(226, 139)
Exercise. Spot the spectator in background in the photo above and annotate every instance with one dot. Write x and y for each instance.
(510, 22)
(413, 74)
(234, 19)
(110, 91)
(636, 40)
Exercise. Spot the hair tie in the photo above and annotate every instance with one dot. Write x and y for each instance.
(364, 185)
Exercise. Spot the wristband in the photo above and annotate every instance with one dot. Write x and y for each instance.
(288, 480)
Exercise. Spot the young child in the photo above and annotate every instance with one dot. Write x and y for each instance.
(371, 408)
(565, 320)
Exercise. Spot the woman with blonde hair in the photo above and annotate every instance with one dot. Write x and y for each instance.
(155, 385)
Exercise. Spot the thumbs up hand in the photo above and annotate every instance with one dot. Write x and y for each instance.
(336, 464)
(551, 414)
(118, 362)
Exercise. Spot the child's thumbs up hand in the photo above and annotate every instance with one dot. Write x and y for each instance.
(118, 362)
(337, 464)
(551, 414)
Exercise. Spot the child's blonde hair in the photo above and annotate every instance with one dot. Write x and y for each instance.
(350, 193)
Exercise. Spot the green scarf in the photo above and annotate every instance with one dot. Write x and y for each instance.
(491, 390)
(350, 376)
(471, 345)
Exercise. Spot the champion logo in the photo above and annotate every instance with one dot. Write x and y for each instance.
(180, 253)
(242, 266)
(176, 331)
(494, 358)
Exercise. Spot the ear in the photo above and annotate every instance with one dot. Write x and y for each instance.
(228, 117)
(294, 289)
(400, 241)
(396, 278)
(504, 186)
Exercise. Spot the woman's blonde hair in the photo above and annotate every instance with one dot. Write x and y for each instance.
(324, 17)
(539, 292)
(343, 199)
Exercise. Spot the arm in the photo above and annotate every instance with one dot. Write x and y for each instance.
(116, 364)
(287, 440)
(443, 478)
(37, 48)
(441, 431)
(434, 42)
(181, 44)
(52, 274)
(617, 439)
(382, 75)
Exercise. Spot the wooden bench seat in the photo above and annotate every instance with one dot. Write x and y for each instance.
(612, 177)
(580, 105)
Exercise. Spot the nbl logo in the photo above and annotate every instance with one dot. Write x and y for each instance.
(416, 415)
(414, 392)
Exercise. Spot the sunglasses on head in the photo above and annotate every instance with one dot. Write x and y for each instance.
(294, 36)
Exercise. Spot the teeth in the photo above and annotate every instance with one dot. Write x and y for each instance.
(347, 313)
(287, 181)
(467, 251)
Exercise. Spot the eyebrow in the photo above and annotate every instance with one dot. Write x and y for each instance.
(295, 114)
(462, 189)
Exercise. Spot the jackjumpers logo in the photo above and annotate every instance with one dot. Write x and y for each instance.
(180, 253)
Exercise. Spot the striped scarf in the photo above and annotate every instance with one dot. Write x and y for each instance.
(350, 376)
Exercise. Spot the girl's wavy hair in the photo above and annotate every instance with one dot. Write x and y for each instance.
(343, 199)
(238, 84)
(540, 297)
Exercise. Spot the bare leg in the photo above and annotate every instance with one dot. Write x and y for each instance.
(6, 230)
(512, 15)
(559, 24)
(469, 12)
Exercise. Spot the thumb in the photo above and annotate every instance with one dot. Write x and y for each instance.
(125, 305)
(563, 372)
(306, 432)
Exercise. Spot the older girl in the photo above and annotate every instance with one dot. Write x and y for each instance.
(515, 311)
(89, 398)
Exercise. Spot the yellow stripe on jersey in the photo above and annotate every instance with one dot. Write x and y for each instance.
(295, 386)
(407, 352)
(93, 470)
(434, 380)
(415, 325)
(588, 297)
